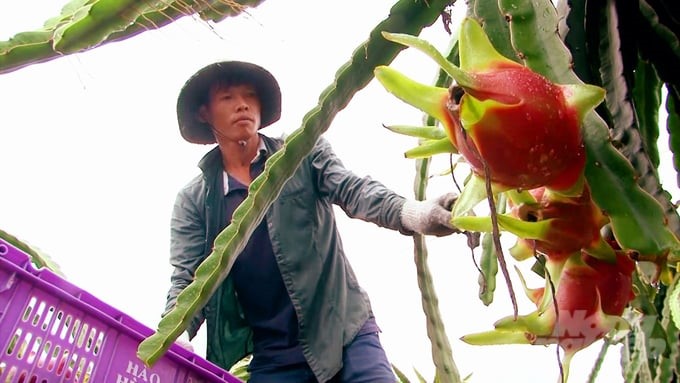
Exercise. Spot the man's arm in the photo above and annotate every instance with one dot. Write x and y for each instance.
(368, 199)
(187, 248)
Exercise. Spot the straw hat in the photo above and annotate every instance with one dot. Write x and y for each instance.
(194, 93)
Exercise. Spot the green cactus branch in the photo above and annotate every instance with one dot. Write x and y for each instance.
(442, 354)
(86, 24)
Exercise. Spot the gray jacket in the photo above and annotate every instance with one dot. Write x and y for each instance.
(331, 306)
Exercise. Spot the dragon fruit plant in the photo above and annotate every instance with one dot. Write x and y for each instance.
(523, 135)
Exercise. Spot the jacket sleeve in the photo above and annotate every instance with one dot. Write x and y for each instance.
(360, 197)
(187, 249)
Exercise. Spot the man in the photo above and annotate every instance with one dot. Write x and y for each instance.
(291, 298)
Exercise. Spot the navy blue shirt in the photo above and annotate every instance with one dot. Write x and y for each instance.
(261, 292)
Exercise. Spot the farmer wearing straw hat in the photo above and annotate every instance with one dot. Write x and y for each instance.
(291, 298)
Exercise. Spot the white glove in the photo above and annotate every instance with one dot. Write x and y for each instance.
(183, 340)
(430, 217)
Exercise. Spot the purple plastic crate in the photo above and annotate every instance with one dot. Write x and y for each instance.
(51, 331)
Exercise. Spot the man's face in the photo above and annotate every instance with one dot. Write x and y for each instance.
(233, 111)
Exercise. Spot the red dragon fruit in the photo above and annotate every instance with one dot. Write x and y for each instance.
(574, 223)
(551, 224)
(501, 116)
(590, 296)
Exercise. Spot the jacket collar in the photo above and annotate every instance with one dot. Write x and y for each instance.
(212, 161)
(261, 152)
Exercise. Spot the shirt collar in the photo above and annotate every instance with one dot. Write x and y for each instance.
(261, 152)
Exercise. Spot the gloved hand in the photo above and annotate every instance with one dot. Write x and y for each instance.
(183, 340)
(430, 217)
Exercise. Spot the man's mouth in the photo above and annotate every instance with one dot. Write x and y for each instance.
(243, 118)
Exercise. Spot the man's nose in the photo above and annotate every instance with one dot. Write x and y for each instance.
(242, 104)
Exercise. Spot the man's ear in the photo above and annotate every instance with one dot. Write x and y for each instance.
(202, 114)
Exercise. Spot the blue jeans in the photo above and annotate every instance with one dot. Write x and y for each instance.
(364, 361)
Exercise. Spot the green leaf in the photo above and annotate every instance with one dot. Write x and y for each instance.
(462, 78)
(421, 378)
(427, 98)
(427, 132)
(38, 258)
(431, 147)
(475, 109)
(240, 369)
(86, 24)
(495, 26)
(489, 262)
(673, 128)
(533, 35)
(495, 337)
(522, 229)
(599, 360)
(674, 302)
(520, 196)
(647, 96)
(668, 358)
(489, 270)
(583, 97)
(477, 54)
(637, 219)
(400, 375)
(473, 193)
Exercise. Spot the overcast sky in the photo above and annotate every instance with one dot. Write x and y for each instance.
(92, 159)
